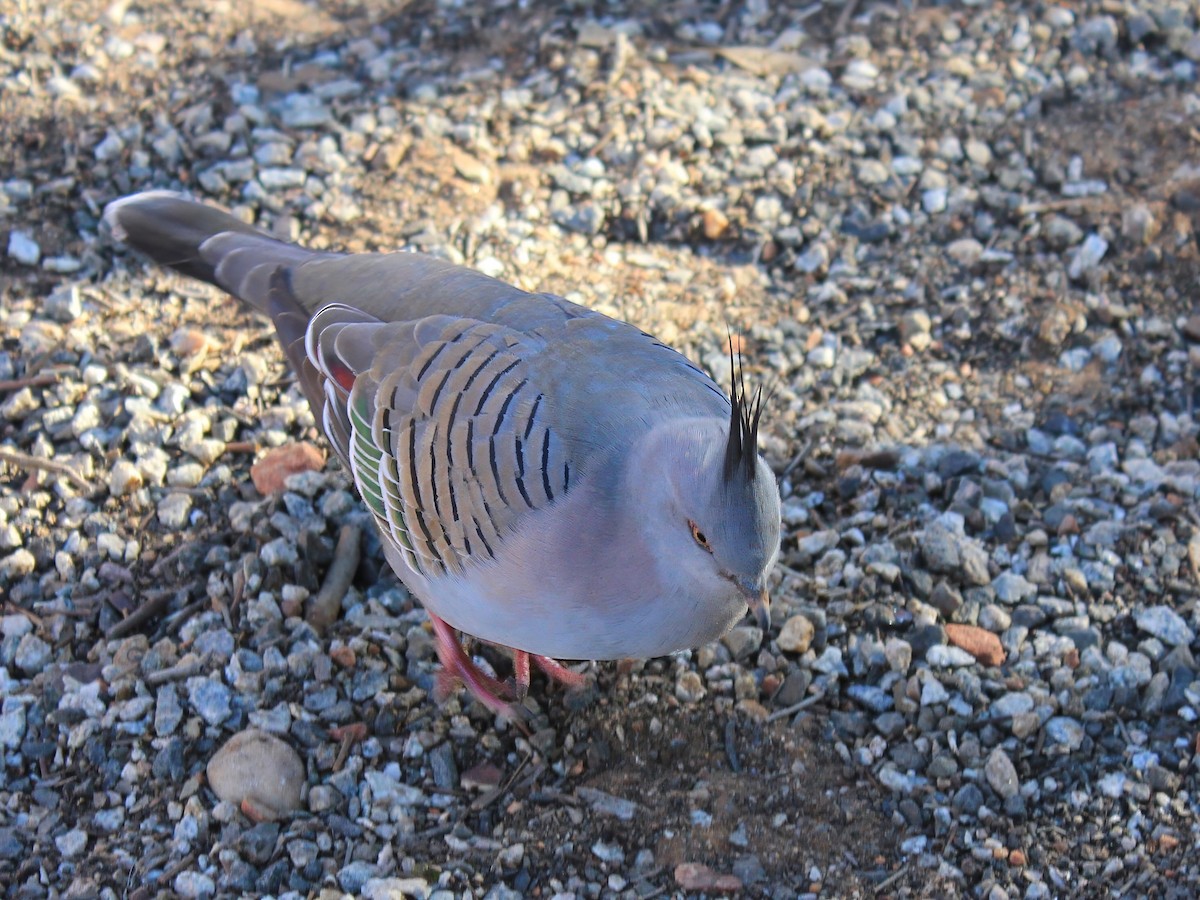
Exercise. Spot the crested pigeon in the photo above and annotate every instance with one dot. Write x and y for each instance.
(544, 477)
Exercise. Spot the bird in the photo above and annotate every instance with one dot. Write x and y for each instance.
(543, 477)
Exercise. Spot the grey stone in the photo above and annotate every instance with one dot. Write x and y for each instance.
(71, 843)
(65, 304)
(945, 599)
(168, 712)
(965, 251)
(173, 510)
(12, 723)
(33, 654)
(608, 852)
(1066, 732)
(1012, 704)
(608, 804)
(968, 799)
(211, 699)
(1096, 36)
(873, 698)
(194, 884)
(352, 877)
(1165, 624)
(257, 844)
(23, 248)
(743, 640)
(1001, 774)
(1012, 589)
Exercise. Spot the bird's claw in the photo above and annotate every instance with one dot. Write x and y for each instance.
(502, 697)
(556, 671)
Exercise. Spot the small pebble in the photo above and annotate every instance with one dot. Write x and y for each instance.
(23, 248)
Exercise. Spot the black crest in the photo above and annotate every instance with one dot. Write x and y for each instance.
(741, 453)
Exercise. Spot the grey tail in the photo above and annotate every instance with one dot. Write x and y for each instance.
(203, 242)
(170, 229)
(210, 244)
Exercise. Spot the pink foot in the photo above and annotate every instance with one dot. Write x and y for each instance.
(494, 694)
(556, 671)
(551, 668)
(457, 665)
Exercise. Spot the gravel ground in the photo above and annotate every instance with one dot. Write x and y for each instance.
(958, 239)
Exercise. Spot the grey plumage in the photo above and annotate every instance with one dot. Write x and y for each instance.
(545, 477)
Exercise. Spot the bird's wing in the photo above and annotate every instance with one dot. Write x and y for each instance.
(456, 430)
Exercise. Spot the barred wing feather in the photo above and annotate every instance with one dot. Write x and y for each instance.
(445, 427)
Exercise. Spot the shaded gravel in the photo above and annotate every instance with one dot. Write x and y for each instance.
(959, 241)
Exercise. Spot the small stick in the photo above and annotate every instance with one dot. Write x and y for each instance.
(1102, 201)
(15, 384)
(156, 602)
(847, 14)
(165, 561)
(185, 669)
(170, 873)
(180, 618)
(323, 609)
(796, 460)
(795, 707)
(349, 735)
(890, 880)
(25, 461)
(731, 746)
(9, 606)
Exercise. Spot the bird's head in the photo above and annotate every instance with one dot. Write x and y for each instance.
(710, 512)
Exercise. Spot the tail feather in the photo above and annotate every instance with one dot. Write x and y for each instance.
(203, 242)
(170, 229)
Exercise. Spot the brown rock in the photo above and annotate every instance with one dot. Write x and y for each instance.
(271, 472)
(189, 342)
(715, 223)
(752, 710)
(469, 167)
(344, 656)
(1068, 525)
(259, 773)
(1025, 724)
(481, 777)
(980, 643)
(699, 877)
(350, 733)
(1191, 327)
(1059, 322)
(1140, 223)
(796, 636)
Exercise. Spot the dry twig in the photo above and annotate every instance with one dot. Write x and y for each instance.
(15, 384)
(323, 609)
(155, 603)
(37, 464)
(795, 707)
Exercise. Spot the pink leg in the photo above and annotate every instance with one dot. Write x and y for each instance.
(556, 671)
(521, 672)
(456, 664)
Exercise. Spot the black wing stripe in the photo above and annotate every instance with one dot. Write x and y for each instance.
(546, 465)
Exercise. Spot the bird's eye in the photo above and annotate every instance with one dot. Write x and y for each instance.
(699, 536)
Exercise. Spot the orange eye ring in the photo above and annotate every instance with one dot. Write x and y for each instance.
(699, 536)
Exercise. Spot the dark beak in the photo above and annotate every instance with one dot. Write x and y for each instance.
(759, 602)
